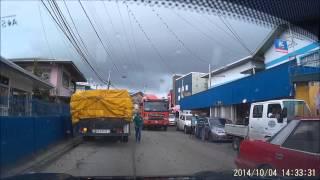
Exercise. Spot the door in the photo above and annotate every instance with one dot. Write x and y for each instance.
(301, 149)
(181, 122)
(272, 122)
(255, 121)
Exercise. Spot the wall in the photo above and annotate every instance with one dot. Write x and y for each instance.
(23, 136)
(198, 83)
(230, 75)
(274, 58)
(187, 80)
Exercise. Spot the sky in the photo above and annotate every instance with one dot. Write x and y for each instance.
(146, 44)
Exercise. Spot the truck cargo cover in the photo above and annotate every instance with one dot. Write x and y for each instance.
(101, 104)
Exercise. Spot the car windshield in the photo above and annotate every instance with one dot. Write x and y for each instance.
(99, 88)
(219, 122)
(155, 106)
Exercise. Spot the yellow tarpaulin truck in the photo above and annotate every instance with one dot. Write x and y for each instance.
(102, 113)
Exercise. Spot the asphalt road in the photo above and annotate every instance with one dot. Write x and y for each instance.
(160, 153)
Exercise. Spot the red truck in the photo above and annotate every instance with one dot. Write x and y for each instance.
(155, 112)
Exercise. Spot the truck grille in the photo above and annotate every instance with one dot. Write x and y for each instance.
(155, 117)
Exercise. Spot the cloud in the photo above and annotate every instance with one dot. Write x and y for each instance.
(144, 63)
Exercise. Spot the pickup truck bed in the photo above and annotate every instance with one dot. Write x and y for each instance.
(236, 130)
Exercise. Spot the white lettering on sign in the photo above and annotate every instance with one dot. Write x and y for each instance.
(8, 21)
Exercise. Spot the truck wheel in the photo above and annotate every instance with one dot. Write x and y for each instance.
(236, 143)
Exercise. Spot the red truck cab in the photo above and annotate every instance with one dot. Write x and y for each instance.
(155, 112)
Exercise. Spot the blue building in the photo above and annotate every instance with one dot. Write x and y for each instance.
(263, 76)
(188, 85)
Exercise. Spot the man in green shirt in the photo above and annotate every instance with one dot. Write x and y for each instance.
(138, 123)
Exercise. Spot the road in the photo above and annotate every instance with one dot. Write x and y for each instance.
(160, 153)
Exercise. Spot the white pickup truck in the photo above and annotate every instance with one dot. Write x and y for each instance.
(267, 118)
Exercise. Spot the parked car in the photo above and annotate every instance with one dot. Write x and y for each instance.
(184, 122)
(213, 129)
(172, 119)
(294, 151)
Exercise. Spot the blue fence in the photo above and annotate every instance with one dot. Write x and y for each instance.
(22, 136)
(28, 125)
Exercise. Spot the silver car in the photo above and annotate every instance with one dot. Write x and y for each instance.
(172, 120)
(214, 129)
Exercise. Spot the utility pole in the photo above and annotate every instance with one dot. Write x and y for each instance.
(109, 80)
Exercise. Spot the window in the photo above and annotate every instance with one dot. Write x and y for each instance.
(179, 98)
(182, 89)
(305, 137)
(274, 110)
(65, 80)
(4, 80)
(257, 111)
(186, 87)
(178, 89)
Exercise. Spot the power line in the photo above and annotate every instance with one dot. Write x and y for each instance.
(44, 31)
(75, 27)
(63, 28)
(124, 28)
(204, 33)
(148, 38)
(104, 47)
(178, 39)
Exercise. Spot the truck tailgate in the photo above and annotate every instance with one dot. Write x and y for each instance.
(236, 130)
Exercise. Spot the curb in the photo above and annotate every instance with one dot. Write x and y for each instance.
(47, 158)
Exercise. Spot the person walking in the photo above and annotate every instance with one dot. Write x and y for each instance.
(138, 123)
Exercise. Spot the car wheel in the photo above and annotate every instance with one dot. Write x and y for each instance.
(236, 143)
(203, 135)
(210, 138)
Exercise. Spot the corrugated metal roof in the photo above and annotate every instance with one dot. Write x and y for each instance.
(25, 73)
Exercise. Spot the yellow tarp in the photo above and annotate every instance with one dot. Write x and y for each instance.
(101, 104)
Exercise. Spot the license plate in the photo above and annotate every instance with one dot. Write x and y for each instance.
(102, 131)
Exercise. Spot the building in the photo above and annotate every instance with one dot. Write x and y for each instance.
(16, 88)
(63, 74)
(137, 97)
(189, 84)
(174, 90)
(267, 74)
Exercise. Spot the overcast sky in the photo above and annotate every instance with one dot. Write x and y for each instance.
(179, 41)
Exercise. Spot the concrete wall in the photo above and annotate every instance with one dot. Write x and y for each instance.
(230, 75)
(228, 112)
(198, 83)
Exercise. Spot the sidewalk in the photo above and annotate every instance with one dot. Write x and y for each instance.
(40, 158)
